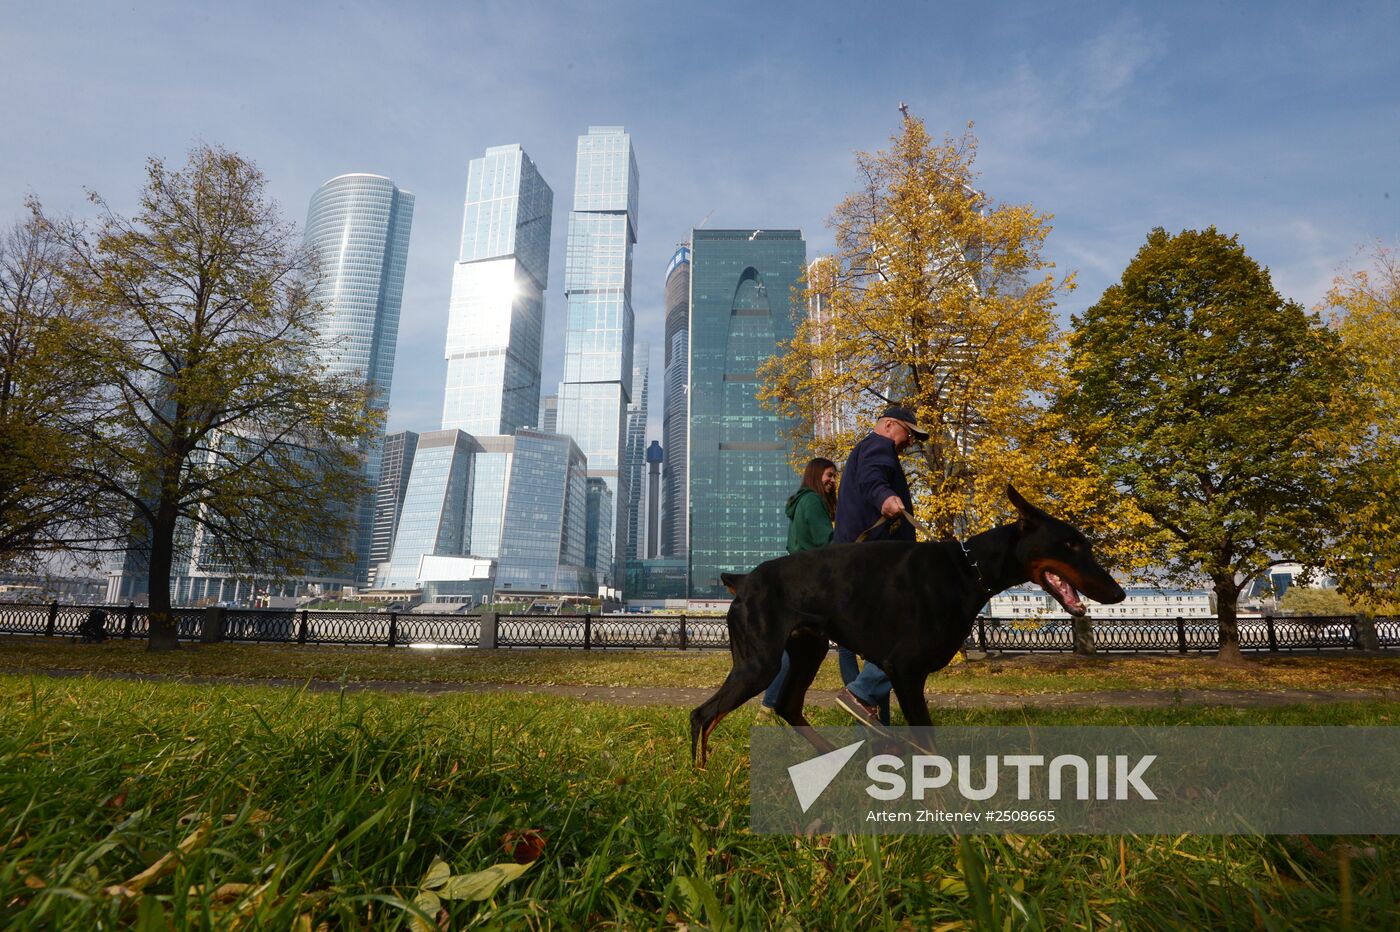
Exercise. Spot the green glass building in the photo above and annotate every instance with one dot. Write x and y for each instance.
(741, 307)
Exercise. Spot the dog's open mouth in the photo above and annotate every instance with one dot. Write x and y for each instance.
(1063, 592)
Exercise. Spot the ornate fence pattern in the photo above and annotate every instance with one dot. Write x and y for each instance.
(663, 632)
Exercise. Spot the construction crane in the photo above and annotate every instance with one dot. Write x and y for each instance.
(704, 220)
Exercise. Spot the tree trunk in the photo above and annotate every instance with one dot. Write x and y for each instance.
(1227, 595)
(163, 630)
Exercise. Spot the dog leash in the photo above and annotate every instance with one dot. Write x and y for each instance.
(914, 522)
(919, 526)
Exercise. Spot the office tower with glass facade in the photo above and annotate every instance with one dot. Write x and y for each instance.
(358, 227)
(599, 516)
(495, 318)
(435, 506)
(542, 542)
(597, 389)
(636, 449)
(394, 470)
(674, 426)
(549, 414)
(740, 310)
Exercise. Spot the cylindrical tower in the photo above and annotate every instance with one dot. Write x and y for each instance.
(674, 423)
(358, 226)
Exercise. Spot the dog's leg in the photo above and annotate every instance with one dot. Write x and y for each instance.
(908, 678)
(806, 651)
(742, 684)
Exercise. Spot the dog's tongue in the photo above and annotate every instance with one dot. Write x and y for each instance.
(1065, 593)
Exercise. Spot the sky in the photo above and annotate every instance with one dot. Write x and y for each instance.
(1279, 122)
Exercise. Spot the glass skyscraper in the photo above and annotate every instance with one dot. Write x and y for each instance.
(674, 421)
(495, 320)
(599, 516)
(542, 544)
(394, 470)
(358, 227)
(740, 309)
(637, 415)
(434, 517)
(597, 388)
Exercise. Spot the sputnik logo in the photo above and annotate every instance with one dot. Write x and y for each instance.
(811, 777)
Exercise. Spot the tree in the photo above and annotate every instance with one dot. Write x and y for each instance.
(1305, 600)
(217, 433)
(941, 299)
(1365, 311)
(1212, 402)
(41, 509)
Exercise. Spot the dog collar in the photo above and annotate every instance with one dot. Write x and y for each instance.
(975, 568)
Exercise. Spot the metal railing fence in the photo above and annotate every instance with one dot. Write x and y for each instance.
(668, 632)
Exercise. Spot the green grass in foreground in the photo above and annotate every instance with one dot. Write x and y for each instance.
(298, 808)
(1022, 674)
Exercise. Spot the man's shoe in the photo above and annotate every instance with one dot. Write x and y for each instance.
(765, 709)
(861, 711)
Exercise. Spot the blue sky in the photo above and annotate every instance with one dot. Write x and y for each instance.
(1276, 121)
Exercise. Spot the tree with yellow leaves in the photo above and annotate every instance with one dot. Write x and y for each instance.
(940, 299)
(1365, 311)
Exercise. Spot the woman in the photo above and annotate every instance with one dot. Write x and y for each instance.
(811, 511)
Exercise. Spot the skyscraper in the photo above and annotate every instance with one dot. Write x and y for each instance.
(597, 387)
(655, 457)
(601, 510)
(674, 427)
(542, 546)
(495, 319)
(739, 476)
(394, 470)
(358, 227)
(549, 414)
(637, 414)
(434, 506)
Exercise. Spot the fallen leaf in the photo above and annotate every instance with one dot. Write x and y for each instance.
(437, 874)
(482, 884)
(524, 845)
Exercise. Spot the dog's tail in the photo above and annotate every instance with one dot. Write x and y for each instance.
(732, 580)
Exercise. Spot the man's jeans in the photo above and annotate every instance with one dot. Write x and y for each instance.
(775, 688)
(873, 687)
(850, 667)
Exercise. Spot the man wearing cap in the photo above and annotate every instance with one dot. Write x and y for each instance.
(873, 497)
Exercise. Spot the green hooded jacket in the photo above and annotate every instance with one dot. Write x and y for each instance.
(811, 525)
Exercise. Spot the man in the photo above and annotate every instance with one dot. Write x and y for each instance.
(873, 488)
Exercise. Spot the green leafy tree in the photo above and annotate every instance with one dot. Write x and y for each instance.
(216, 433)
(1212, 402)
(1365, 310)
(41, 509)
(943, 299)
(1306, 600)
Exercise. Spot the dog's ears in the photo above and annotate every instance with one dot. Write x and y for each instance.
(1030, 515)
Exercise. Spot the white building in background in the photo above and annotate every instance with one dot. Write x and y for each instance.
(1029, 602)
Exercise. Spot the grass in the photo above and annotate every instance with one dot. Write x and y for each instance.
(289, 809)
(1029, 674)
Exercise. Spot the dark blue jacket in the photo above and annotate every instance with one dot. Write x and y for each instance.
(872, 474)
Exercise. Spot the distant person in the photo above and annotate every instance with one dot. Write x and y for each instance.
(811, 511)
(94, 629)
(874, 496)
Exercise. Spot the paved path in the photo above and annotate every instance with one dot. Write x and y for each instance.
(688, 696)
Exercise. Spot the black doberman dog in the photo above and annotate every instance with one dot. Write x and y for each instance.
(908, 607)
